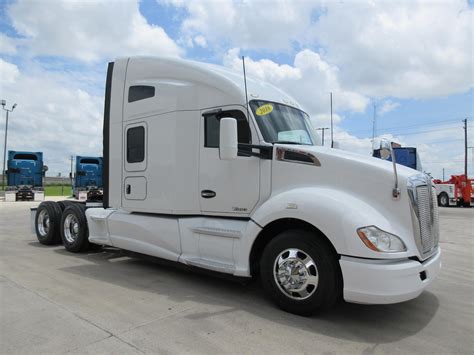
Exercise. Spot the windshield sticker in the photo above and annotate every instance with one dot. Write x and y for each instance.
(264, 110)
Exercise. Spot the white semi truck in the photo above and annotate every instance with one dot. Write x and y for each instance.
(196, 173)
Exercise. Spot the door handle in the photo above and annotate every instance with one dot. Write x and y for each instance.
(128, 189)
(208, 194)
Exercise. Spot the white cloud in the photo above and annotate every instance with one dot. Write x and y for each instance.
(247, 24)
(7, 45)
(89, 31)
(352, 143)
(309, 80)
(8, 73)
(324, 119)
(404, 49)
(263, 69)
(387, 106)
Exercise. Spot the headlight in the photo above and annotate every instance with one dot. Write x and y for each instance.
(379, 240)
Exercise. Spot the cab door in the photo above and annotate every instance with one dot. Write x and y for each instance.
(226, 186)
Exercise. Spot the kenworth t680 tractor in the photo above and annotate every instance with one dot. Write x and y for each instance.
(204, 170)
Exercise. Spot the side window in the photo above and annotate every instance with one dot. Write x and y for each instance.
(212, 125)
(136, 144)
(140, 92)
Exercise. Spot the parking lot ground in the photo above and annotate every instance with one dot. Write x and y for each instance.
(108, 302)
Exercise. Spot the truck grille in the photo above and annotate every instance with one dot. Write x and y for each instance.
(428, 218)
(426, 223)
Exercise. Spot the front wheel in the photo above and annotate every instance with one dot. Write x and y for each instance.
(443, 199)
(300, 272)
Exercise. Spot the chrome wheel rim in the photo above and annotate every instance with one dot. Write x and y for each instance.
(296, 274)
(43, 223)
(71, 228)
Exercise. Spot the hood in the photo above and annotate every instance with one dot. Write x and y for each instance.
(362, 162)
(367, 178)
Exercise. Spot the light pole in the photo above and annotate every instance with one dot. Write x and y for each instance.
(4, 102)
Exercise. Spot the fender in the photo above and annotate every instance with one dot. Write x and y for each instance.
(337, 215)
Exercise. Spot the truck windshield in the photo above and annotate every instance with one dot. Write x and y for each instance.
(89, 161)
(25, 156)
(282, 124)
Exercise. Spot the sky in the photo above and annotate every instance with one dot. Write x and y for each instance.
(410, 62)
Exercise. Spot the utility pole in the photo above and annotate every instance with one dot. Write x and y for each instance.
(443, 174)
(4, 102)
(332, 130)
(472, 153)
(322, 129)
(465, 147)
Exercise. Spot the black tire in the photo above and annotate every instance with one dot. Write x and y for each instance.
(326, 266)
(75, 240)
(63, 204)
(48, 222)
(443, 199)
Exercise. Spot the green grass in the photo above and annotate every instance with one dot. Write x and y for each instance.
(54, 190)
(57, 190)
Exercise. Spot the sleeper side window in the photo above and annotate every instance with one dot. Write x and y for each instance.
(140, 92)
(136, 144)
(212, 126)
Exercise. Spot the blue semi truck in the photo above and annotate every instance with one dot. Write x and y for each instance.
(88, 183)
(406, 156)
(25, 171)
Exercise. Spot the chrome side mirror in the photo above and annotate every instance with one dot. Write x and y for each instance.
(386, 152)
(228, 138)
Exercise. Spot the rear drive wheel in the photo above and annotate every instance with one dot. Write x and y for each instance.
(443, 199)
(74, 230)
(300, 272)
(64, 204)
(47, 223)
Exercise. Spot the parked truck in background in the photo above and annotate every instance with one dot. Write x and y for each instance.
(457, 191)
(25, 172)
(406, 156)
(87, 183)
(197, 174)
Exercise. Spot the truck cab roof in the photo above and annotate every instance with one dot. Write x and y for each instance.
(181, 73)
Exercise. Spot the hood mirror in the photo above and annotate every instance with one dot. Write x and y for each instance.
(386, 152)
(385, 149)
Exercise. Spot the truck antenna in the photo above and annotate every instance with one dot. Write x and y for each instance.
(332, 130)
(245, 84)
(374, 122)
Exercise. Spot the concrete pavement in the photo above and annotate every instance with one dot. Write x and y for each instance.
(108, 302)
